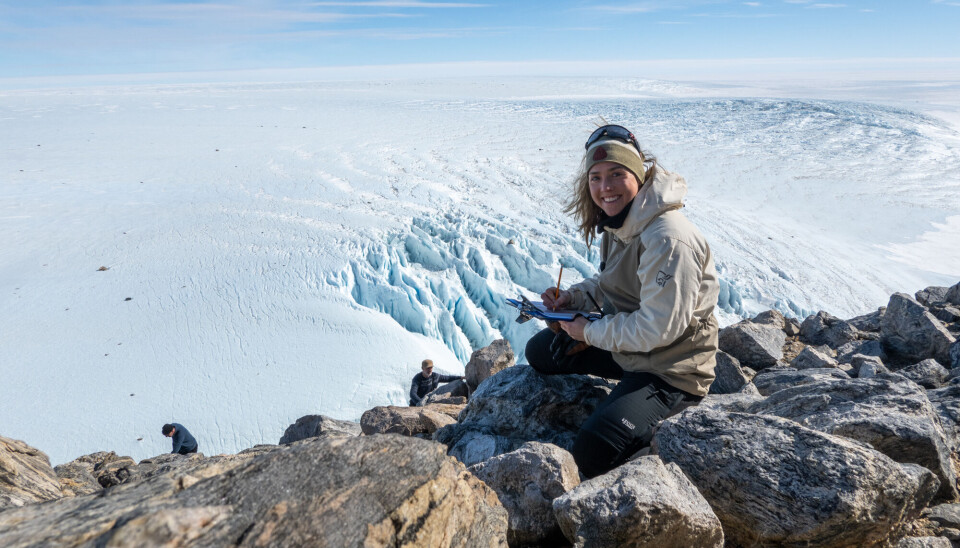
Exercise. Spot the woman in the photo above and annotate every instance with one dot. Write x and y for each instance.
(658, 286)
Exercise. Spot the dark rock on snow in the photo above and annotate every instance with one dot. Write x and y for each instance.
(318, 426)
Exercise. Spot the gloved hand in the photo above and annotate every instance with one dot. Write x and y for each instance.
(563, 348)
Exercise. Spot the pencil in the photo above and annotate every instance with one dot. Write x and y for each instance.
(556, 293)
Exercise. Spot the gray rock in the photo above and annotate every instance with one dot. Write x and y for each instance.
(946, 402)
(26, 476)
(318, 426)
(867, 366)
(730, 376)
(946, 515)
(823, 328)
(892, 416)
(519, 405)
(527, 481)
(792, 327)
(772, 481)
(642, 503)
(955, 355)
(349, 491)
(451, 392)
(932, 295)
(732, 403)
(865, 348)
(770, 317)
(76, 479)
(924, 542)
(489, 361)
(869, 323)
(953, 294)
(813, 358)
(912, 334)
(406, 421)
(753, 345)
(773, 379)
(928, 373)
(946, 314)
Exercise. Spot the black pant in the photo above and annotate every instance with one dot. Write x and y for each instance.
(624, 421)
(185, 451)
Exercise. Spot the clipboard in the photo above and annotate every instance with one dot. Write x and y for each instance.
(535, 309)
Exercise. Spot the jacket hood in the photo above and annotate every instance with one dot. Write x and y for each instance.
(664, 193)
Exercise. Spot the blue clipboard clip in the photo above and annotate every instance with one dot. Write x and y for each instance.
(530, 310)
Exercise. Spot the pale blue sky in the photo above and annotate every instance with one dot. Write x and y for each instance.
(69, 37)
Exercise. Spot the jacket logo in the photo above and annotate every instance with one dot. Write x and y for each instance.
(599, 154)
(628, 424)
(663, 278)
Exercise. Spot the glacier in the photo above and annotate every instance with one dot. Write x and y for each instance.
(272, 250)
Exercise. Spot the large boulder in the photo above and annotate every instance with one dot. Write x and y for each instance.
(406, 421)
(823, 328)
(642, 503)
(25, 475)
(76, 478)
(488, 361)
(812, 357)
(770, 317)
(527, 481)
(348, 491)
(519, 405)
(773, 379)
(730, 377)
(869, 323)
(754, 345)
(772, 481)
(911, 334)
(932, 295)
(928, 373)
(892, 415)
(318, 426)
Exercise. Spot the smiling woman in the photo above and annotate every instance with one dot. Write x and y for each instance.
(659, 288)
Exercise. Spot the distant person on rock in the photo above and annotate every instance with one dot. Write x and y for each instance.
(183, 442)
(657, 287)
(427, 381)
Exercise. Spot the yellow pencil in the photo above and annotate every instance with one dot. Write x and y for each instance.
(556, 293)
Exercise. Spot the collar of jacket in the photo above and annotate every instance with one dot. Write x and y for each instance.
(665, 192)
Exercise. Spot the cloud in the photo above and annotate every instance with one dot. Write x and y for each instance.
(399, 4)
(753, 4)
(827, 6)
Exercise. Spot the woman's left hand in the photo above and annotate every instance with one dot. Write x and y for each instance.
(575, 328)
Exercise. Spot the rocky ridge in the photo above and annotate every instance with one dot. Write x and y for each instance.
(825, 432)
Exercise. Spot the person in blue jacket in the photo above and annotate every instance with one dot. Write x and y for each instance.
(427, 381)
(183, 442)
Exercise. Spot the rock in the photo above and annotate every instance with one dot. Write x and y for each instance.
(865, 348)
(791, 327)
(77, 479)
(892, 416)
(642, 503)
(488, 361)
(770, 317)
(928, 373)
(955, 355)
(813, 358)
(455, 392)
(772, 481)
(318, 426)
(343, 491)
(946, 402)
(791, 349)
(730, 377)
(753, 345)
(773, 379)
(823, 328)
(946, 314)
(407, 421)
(867, 366)
(911, 334)
(953, 294)
(869, 323)
(519, 405)
(932, 295)
(924, 542)
(451, 410)
(527, 481)
(946, 515)
(25, 475)
(110, 468)
(737, 403)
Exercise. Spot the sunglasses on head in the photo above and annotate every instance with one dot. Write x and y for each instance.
(612, 132)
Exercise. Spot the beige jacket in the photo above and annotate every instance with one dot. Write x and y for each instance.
(659, 288)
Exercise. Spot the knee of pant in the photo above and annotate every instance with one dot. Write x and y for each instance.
(538, 355)
(594, 455)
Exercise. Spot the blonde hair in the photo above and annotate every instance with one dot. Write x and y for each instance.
(581, 204)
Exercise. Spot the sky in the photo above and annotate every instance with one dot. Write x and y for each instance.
(44, 38)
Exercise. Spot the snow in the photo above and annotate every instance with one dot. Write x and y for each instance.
(278, 250)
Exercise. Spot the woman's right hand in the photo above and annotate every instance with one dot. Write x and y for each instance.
(553, 301)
